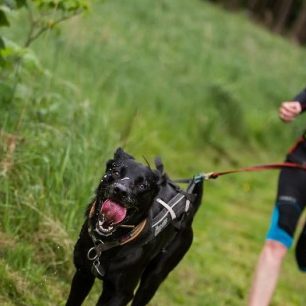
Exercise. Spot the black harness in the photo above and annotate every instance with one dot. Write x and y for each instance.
(175, 211)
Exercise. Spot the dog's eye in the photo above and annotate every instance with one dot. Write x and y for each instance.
(140, 183)
(142, 186)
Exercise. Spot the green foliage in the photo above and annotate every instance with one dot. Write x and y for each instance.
(64, 5)
(5, 8)
(19, 65)
(3, 18)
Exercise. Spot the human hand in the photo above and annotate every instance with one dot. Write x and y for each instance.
(289, 110)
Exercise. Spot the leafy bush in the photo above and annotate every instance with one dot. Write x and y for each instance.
(17, 61)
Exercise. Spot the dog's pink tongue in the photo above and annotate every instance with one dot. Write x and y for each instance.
(113, 212)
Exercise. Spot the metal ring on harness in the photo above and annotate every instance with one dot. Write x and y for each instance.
(92, 254)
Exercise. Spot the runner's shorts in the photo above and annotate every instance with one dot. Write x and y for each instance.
(290, 203)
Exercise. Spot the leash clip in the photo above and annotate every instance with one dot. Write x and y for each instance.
(208, 176)
(97, 268)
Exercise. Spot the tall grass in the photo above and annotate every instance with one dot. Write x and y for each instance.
(180, 79)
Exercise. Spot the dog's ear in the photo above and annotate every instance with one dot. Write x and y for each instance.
(156, 177)
(162, 176)
(159, 178)
(120, 154)
(159, 165)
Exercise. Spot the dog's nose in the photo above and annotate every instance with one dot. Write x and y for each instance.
(120, 190)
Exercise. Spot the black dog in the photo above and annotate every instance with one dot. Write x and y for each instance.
(137, 229)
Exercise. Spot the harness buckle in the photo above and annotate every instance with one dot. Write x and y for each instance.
(98, 242)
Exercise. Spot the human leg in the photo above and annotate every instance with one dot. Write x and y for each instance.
(280, 236)
(266, 273)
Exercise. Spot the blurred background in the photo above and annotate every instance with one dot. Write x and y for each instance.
(195, 82)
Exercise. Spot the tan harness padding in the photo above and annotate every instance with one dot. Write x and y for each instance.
(135, 232)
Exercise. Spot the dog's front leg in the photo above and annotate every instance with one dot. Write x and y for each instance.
(156, 272)
(80, 287)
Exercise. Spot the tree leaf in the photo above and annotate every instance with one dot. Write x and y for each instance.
(3, 19)
(2, 44)
(20, 3)
(10, 4)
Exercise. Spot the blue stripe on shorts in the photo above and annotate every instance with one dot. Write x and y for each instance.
(276, 233)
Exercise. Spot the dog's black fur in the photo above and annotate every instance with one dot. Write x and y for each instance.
(140, 261)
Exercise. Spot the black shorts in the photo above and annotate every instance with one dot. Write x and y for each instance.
(290, 203)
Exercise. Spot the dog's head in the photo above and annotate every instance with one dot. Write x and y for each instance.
(125, 193)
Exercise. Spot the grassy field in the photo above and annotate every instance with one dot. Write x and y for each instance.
(184, 80)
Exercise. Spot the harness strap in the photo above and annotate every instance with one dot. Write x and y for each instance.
(187, 206)
(92, 209)
(193, 180)
(134, 233)
(296, 144)
(169, 208)
(172, 204)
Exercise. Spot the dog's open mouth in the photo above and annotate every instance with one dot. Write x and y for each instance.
(111, 214)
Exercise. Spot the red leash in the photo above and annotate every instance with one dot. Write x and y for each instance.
(214, 175)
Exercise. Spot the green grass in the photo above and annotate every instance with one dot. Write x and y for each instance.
(184, 80)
